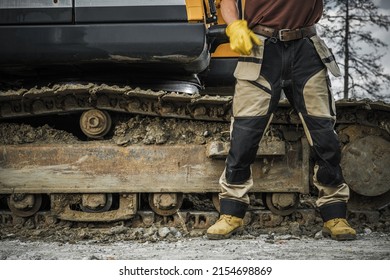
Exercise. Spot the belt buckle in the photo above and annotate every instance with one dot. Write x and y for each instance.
(280, 33)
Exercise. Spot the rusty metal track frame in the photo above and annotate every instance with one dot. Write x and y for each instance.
(101, 167)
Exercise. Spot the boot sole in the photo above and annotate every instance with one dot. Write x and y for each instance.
(340, 237)
(224, 236)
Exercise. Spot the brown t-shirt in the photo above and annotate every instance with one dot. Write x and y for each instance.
(280, 14)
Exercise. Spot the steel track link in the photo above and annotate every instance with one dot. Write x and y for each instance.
(189, 220)
(68, 98)
(72, 98)
(192, 222)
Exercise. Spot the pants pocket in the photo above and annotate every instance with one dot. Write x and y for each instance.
(248, 67)
(326, 55)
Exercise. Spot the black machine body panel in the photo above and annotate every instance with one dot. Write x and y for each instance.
(134, 34)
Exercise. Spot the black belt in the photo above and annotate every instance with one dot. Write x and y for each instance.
(285, 34)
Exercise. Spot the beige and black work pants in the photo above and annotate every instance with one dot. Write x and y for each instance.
(296, 68)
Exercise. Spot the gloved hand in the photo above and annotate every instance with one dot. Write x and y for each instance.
(241, 37)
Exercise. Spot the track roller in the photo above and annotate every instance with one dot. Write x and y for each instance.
(95, 123)
(165, 204)
(365, 164)
(282, 204)
(96, 203)
(24, 205)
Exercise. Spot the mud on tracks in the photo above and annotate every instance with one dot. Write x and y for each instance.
(126, 131)
(98, 241)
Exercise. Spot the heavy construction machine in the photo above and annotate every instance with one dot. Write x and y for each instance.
(166, 59)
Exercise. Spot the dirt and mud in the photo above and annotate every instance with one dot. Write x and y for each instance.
(66, 241)
(127, 131)
(14, 134)
(148, 131)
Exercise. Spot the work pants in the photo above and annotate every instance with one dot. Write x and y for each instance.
(297, 68)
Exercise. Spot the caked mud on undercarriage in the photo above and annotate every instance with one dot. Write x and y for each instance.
(118, 111)
(137, 156)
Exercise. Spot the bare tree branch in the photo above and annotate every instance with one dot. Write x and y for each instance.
(345, 24)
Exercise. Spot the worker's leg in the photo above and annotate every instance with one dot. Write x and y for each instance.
(315, 104)
(255, 98)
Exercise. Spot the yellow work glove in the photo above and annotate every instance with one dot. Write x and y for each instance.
(241, 37)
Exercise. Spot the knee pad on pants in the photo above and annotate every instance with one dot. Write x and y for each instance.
(329, 175)
(327, 150)
(237, 176)
(246, 135)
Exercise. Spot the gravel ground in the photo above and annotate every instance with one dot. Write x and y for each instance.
(367, 246)
(286, 256)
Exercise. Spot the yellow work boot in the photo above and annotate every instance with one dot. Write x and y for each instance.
(225, 227)
(338, 229)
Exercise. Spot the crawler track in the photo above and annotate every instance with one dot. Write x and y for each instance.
(117, 180)
(68, 98)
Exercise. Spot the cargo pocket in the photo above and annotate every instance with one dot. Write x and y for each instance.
(249, 66)
(326, 55)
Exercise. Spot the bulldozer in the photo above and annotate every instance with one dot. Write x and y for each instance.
(85, 62)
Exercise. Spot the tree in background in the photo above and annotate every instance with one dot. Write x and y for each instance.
(346, 23)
